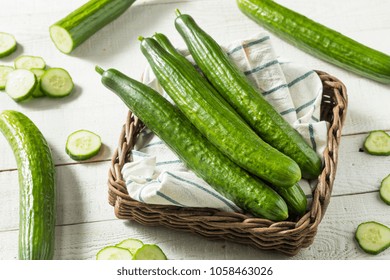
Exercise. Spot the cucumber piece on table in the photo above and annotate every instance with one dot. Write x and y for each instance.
(4, 71)
(377, 143)
(384, 190)
(82, 23)
(28, 62)
(21, 84)
(113, 253)
(130, 244)
(83, 144)
(38, 73)
(373, 237)
(7, 44)
(56, 82)
(149, 252)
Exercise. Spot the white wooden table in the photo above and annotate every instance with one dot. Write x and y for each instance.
(85, 220)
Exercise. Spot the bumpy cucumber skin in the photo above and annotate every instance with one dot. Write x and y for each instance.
(217, 121)
(318, 40)
(85, 21)
(37, 186)
(295, 199)
(203, 158)
(232, 84)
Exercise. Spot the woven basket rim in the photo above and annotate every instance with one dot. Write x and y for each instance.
(286, 236)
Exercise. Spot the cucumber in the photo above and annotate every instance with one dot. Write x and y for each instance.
(7, 44)
(38, 73)
(21, 84)
(130, 244)
(203, 158)
(318, 40)
(37, 186)
(216, 121)
(114, 253)
(149, 252)
(377, 143)
(72, 30)
(384, 190)
(4, 71)
(83, 144)
(232, 84)
(56, 82)
(373, 237)
(295, 199)
(28, 62)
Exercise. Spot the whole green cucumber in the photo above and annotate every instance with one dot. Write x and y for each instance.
(295, 199)
(72, 30)
(203, 158)
(37, 186)
(216, 120)
(234, 86)
(318, 40)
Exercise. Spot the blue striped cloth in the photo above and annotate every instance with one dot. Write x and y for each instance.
(157, 176)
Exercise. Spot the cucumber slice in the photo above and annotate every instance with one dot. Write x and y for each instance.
(83, 144)
(4, 71)
(384, 190)
(21, 84)
(130, 244)
(56, 82)
(373, 237)
(7, 44)
(377, 143)
(113, 253)
(28, 62)
(149, 252)
(38, 73)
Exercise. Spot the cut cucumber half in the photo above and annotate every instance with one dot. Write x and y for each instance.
(56, 82)
(373, 237)
(38, 73)
(20, 84)
(7, 44)
(113, 253)
(377, 143)
(4, 71)
(384, 190)
(83, 144)
(28, 62)
(149, 252)
(130, 244)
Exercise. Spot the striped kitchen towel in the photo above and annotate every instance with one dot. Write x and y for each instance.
(157, 176)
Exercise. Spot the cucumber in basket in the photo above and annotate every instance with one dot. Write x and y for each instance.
(7, 44)
(216, 120)
(234, 86)
(373, 237)
(203, 158)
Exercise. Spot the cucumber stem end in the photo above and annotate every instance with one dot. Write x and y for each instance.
(99, 69)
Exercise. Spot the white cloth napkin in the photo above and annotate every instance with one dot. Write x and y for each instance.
(157, 176)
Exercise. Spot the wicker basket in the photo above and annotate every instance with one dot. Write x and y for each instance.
(286, 236)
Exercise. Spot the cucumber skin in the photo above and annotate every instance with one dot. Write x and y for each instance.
(37, 186)
(318, 40)
(295, 199)
(218, 122)
(203, 158)
(232, 84)
(85, 21)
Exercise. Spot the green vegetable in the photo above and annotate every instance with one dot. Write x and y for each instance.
(232, 84)
(318, 40)
(203, 158)
(38, 73)
(20, 84)
(377, 143)
(114, 253)
(295, 198)
(7, 44)
(37, 186)
(130, 244)
(149, 252)
(56, 82)
(216, 121)
(71, 31)
(384, 190)
(83, 144)
(373, 237)
(4, 71)
(28, 62)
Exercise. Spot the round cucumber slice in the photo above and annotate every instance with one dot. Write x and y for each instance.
(113, 253)
(28, 62)
(149, 252)
(130, 244)
(373, 237)
(38, 73)
(7, 44)
(20, 84)
(4, 71)
(61, 38)
(384, 190)
(378, 143)
(56, 82)
(83, 144)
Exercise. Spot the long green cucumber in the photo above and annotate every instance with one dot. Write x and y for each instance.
(216, 121)
(72, 30)
(234, 86)
(318, 40)
(295, 199)
(203, 158)
(37, 186)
